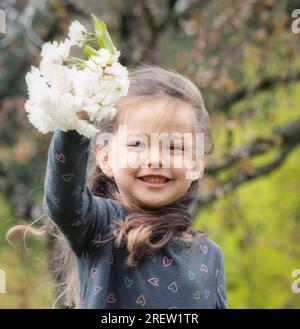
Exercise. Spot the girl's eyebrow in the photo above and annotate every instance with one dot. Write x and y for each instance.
(137, 133)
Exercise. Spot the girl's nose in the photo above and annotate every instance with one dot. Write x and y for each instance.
(155, 158)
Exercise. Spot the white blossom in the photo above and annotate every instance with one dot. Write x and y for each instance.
(57, 93)
(54, 52)
(59, 77)
(77, 34)
(117, 70)
(109, 111)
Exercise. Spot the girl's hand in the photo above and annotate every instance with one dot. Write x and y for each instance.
(83, 115)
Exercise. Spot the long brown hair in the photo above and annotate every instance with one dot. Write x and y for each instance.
(143, 230)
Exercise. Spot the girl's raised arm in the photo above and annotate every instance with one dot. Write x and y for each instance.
(79, 215)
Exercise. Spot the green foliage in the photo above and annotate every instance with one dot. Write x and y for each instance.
(28, 282)
(102, 35)
(258, 225)
(90, 51)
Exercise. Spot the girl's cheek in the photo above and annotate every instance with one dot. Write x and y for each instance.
(191, 159)
(182, 162)
(133, 159)
(183, 167)
(124, 158)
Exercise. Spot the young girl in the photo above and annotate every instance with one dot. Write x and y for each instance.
(128, 227)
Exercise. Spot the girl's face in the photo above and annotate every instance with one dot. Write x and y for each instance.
(145, 145)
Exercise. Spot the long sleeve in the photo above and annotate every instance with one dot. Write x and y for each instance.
(221, 284)
(79, 215)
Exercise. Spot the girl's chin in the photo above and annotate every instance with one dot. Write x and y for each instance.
(152, 204)
(151, 199)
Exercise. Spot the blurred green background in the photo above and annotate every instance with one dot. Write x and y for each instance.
(244, 57)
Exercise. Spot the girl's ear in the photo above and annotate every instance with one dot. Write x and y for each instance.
(102, 160)
(198, 171)
(205, 159)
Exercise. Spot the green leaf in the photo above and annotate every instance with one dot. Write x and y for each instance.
(90, 51)
(102, 36)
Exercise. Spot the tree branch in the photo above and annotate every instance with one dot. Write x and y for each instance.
(287, 137)
(286, 134)
(264, 84)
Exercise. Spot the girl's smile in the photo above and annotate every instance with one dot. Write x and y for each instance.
(154, 181)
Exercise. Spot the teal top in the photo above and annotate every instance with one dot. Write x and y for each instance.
(184, 274)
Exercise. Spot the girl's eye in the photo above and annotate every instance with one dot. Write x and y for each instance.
(135, 143)
(177, 147)
(139, 144)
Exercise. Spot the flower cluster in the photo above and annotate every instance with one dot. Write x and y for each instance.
(63, 86)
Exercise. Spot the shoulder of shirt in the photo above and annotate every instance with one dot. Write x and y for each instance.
(115, 204)
(212, 246)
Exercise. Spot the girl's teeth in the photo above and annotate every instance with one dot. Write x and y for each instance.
(156, 180)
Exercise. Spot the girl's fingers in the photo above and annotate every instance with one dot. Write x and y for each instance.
(83, 115)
